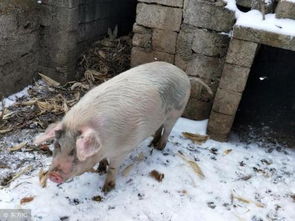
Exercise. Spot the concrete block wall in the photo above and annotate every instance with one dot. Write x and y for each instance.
(192, 34)
(49, 37)
(19, 40)
(235, 73)
(68, 26)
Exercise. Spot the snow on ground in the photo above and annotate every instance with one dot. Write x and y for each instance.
(252, 182)
(253, 19)
(8, 101)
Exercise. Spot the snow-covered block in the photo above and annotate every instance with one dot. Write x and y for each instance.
(286, 9)
(273, 39)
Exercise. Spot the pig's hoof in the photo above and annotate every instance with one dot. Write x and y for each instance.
(107, 187)
(159, 145)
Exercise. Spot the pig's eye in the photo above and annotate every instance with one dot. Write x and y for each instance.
(57, 146)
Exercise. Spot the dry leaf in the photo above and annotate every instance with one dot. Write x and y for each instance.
(17, 175)
(244, 200)
(8, 115)
(227, 151)
(2, 108)
(139, 157)
(49, 81)
(17, 147)
(29, 103)
(194, 166)
(245, 178)
(196, 138)
(5, 130)
(80, 85)
(97, 198)
(127, 170)
(26, 199)
(157, 175)
(43, 178)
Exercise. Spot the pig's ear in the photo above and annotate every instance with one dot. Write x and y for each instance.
(49, 133)
(87, 144)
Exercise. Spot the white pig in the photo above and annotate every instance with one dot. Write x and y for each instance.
(115, 117)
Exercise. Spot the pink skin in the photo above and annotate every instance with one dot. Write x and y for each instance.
(55, 177)
(61, 171)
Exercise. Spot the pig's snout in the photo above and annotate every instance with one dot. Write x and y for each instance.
(55, 177)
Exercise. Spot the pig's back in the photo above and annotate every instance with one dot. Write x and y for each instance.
(139, 98)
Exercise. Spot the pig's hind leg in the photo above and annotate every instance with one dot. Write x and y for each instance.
(168, 125)
(157, 137)
(167, 128)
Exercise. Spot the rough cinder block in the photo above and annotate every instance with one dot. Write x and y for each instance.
(285, 9)
(173, 3)
(234, 77)
(226, 102)
(179, 62)
(157, 16)
(219, 126)
(205, 67)
(185, 42)
(244, 3)
(142, 40)
(210, 43)
(208, 14)
(164, 40)
(197, 109)
(141, 29)
(241, 53)
(142, 56)
(163, 56)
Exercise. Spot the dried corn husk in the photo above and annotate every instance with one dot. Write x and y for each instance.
(196, 138)
(196, 168)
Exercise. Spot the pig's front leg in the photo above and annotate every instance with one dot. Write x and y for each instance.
(103, 165)
(110, 180)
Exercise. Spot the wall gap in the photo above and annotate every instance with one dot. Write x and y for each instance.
(267, 108)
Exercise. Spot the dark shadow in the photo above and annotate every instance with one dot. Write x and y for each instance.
(267, 108)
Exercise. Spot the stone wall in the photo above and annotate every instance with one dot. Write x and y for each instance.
(50, 36)
(19, 31)
(192, 34)
(68, 26)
